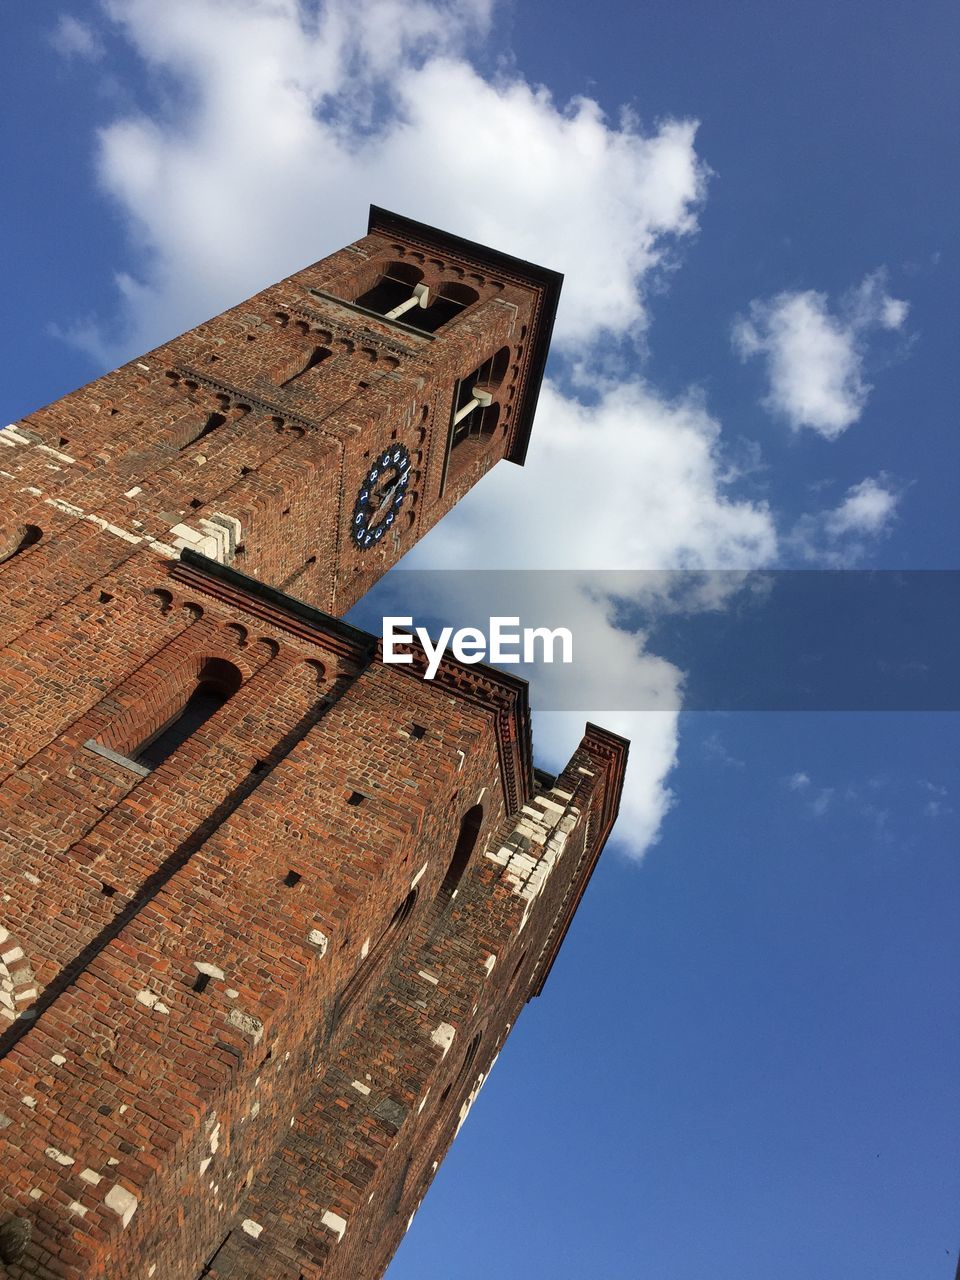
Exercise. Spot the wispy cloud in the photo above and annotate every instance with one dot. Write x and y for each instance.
(715, 749)
(75, 39)
(815, 355)
(843, 536)
(879, 803)
(937, 804)
(821, 801)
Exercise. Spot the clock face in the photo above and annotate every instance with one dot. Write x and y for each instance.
(381, 496)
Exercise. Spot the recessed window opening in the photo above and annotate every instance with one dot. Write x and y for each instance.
(201, 982)
(316, 356)
(213, 423)
(475, 414)
(13, 541)
(203, 703)
(469, 1056)
(394, 288)
(417, 731)
(292, 878)
(466, 842)
(356, 798)
(216, 683)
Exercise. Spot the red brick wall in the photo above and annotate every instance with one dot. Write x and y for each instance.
(239, 1016)
(287, 461)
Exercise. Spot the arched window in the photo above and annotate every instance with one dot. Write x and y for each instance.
(316, 356)
(212, 423)
(18, 538)
(450, 301)
(394, 286)
(463, 850)
(476, 414)
(216, 682)
(399, 294)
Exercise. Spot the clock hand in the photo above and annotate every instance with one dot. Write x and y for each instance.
(386, 497)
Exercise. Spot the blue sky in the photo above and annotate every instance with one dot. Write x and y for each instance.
(745, 1060)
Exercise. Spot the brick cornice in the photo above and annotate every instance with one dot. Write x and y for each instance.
(502, 696)
(506, 699)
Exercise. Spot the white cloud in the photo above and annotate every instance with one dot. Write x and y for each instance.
(815, 358)
(283, 127)
(294, 126)
(842, 536)
(798, 781)
(867, 508)
(654, 474)
(75, 39)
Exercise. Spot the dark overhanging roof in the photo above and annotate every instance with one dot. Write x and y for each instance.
(550, 282)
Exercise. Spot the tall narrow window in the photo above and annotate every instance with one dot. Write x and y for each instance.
(371, 963)
(463, 850)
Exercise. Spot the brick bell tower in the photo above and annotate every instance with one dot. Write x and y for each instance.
(268, 906)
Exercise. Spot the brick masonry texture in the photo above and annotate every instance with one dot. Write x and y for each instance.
(249, 990)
